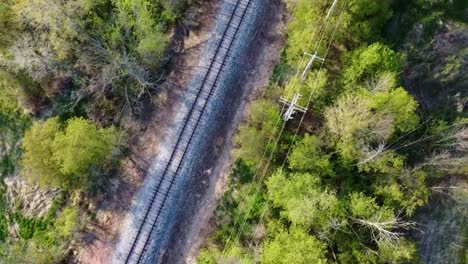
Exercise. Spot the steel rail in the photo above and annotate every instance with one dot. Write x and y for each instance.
(186, 123)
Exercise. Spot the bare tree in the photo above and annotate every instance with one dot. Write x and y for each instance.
(384, 228)
(111, 67)
(32, 56)
(382, 83)
(370, 154)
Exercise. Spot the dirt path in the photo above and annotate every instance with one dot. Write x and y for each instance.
(146, 135)
(263, 56)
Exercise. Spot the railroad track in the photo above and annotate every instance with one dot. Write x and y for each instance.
(162, 190)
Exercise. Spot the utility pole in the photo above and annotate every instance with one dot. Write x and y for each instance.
(313, 57)
(292, 107)
(331, 9)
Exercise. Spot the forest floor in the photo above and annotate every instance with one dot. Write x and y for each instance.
(261, 60)
(146, 133)
(436, 74)
(442, 223)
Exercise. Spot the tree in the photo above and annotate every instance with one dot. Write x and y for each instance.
(305, 13)
(38, 158)
(407, 190)
(385, 162)
(82, 146)
(68, 223)
(314, 89)
(33, 56)
(137, 17)
(254, 136)
(307, 156)
(67, 158)
(233, 254)
(305, 201)
(401, 105)
(350, 117)
(367, 19)
(381, 222)
(8, 26)
(362, 119)
(402, 251)
(294, 246)
(367, 62)
(55, 22)
(452, 143)
(13, 123)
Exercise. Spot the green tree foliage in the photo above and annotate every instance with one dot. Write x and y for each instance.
(38, 158)
(351, 116)
(314, 89)
(206, 257)
(304, 200)
(367, 62)
(54, 21)
(367, 19)
(234, 254)
(295, 246)
(66, 157)
(351, 183)
(13, 122)
(407, 190)
(360, 119)
(305, 13)
(68, 223)
(139, 19)
(8, 27)
(83, 146)
(174, 6)
(307, 156)
(400, 252)
(254, 136)
(110, 50)
(383, 226)
(70, 58)
(361, 22)
(401, 105)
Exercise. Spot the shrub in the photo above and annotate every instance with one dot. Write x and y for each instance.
(67, 157)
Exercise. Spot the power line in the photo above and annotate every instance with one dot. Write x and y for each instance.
(314, 56)
(303, 115)
(302, 60)
(324, 27)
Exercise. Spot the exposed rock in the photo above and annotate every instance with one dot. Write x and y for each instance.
(32, 200)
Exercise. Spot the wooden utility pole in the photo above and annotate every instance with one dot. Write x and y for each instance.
(331, 9)
(292, 107)
(313, 57)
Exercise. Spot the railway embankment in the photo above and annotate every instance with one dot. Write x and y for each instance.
(165, 202)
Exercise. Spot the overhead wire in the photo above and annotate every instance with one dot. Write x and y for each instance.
(303, 115)
(323, 26)
(259, 166)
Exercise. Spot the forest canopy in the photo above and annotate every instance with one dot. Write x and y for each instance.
(341, 183)
(72, 73)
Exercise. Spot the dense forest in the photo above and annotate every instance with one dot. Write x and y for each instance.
(344, 182)
(382, 147)
(71, 73)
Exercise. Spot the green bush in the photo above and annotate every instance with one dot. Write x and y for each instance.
(367, 62)
(69, 157)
